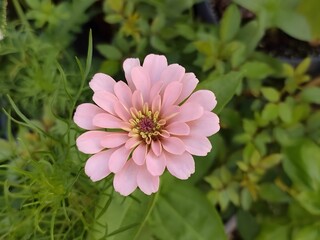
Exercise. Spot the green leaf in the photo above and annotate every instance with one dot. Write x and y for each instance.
(271, 193)
(302, 164)
(121, 217)
(270, 112)
(113, 18)
(224, 87)
(303, 66)
(111, 67)
(109, 51)
(311, 95)
(297, 27)
(256, 70)
(159, 44)
(247, 225)
(309, 232)
(245, 199)
(285, 112)
(271, 94)
(230, 23)
(183, 212)
(310, 201)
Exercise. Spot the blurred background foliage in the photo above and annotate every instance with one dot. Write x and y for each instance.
(262, 179)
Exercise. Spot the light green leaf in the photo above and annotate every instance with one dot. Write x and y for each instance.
(224, 87)
(285, 112)
(297, 27)
(256, 70)
(109, 51)
(309, 232)
(310, 201)
(230, 23)
(271, 94)
(311, 95)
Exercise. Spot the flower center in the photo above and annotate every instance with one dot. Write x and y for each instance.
(146, 124)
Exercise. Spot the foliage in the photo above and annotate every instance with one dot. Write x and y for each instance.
(264, 169)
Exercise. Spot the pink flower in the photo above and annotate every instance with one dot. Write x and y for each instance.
(136, 131)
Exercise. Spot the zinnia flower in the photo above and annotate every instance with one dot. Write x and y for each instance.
(139, 129)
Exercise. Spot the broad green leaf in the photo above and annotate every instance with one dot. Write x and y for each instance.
(183, 212)
(297, 27)
(271, 94)
(230, 23)
(302, 164)
(310, 9)
(253, 6)
(274, 230)
(224, 87)
(159, 44)
(121, 218)
(251, 34)
(285, 112)
(256, 70)
(309, 232)
(310, 201)
(270, 112)
(245, 199)
(113, 18)
(311, 95)
(111, 67)
(271, 193)
(247, 225)
(109, 51)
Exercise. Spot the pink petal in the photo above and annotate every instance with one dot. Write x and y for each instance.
(137, 100)
(178, 128)
(155, 164)
(105, 100)
(121, 111)
(156, 147)
(189, 83)
(102, 82)
(97, 165)
(90, 142)
(139, 154)
(173, 145)
(106, 120)
(84, 114)
(211, 122)
(114, 139)
(197, 145)
(128, 64)
(170, 112)
(171, 93)
(132, 142)
(204, 98)
(146, 182)
(155, 89)
(156, 104)
(141, 81)
(155, 64)
(123, 93)
(173, 72)
(188, 112)
(180, 166)
(125, 181)
(118, 159)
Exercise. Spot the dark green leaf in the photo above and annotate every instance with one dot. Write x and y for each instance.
(183, 212)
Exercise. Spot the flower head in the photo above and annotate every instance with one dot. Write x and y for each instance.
(139, 129)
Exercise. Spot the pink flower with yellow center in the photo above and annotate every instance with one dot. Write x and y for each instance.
(139, 129)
